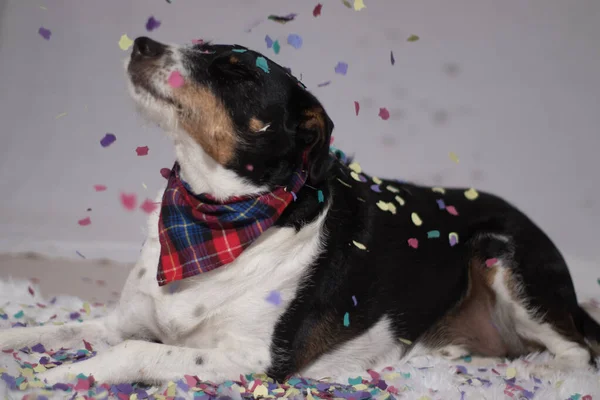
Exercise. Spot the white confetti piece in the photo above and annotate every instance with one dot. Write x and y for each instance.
(359, 245)
(392, 189)
(400, 200)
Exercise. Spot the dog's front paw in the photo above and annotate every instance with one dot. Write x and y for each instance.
(68, 373)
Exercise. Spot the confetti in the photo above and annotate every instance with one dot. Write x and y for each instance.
(359, 245)
(453, 239)
(128, 201)
(341, 68)
(261, 63)
(85, 221)
(412, 38)
(454, 157)
(376, 188)
(260, 392)
(152, 24)
(354, 301)
(383, 206)
(64, 114)
(471, 194)
(294, 40)
(99, 188)
(320, 196)
(392, 59)
(511, 372)
(355, 167)
(356, 107)
(45, 33)
(343, 183)
(384, 114)
(451, 210)
(347, 319)
(125, 42)
(491, 262)
(359, 5)
(276, 47)
(357, 177)
(347, 3)
(317, 10)
(405, 341)
(249, 167)
(413, 242)
(283, 19)
(268, 41)
(392, 189)
(433, 234)
(79, 254)
(108, 139)
(274, 298)
(148, 206)
(400, 200)
(416, 219)
(142, 150)
(324, 83)
(165, 173)
(438, 190)
(175, 79)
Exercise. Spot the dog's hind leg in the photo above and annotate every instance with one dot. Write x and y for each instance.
(57, 336)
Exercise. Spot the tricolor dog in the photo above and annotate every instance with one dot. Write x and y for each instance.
(272, 253)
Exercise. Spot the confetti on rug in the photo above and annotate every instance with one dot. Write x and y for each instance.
(21, 304)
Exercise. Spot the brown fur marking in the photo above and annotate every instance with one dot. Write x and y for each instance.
(255, 124)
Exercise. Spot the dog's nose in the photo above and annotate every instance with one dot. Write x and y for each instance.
(147, 47)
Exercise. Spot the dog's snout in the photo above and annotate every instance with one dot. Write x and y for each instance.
(147, 47)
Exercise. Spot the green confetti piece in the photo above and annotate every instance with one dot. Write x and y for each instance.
(261, 63)
(467, 359)
(405, 375)
(239, 50)
(347, 320)
(413, 38)
(598, 281)
(276, 46)
(322, 198)
(20, 314)
(433, 234)
(354, 381)
(347, 3)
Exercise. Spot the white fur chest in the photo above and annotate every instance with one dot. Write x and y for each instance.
(226, 308)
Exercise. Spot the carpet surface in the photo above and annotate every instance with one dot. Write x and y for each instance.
(424, 378)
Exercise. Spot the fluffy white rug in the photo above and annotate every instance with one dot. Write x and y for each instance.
(427, 378)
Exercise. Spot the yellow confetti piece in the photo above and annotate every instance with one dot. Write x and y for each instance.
(416, 219)
(278, 390)
(344, 183)
(391, 376)
(355, 167)
(377, 180)
(355, 176)
(383, 206)
(405, 341)
(2, 370)
(23, 385)
(309, 394)
(359, 245)
(471, 194)
(39, 368)
(359, 5)
(125, 42)
(86, 308)
(438, 190)
(413, 38)
(424, 398)
(392, 189)
(36, 384)
(171, 389)
(144, 186)
(291, 392)
(400, 200)
(454, 157)
(133, 396)
(511, 372)
(392, 208)
(558, 384)
(60, 115)
(383, 396)
(360, 386)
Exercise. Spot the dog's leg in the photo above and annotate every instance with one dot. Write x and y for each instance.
(56, 336)
(141, 361)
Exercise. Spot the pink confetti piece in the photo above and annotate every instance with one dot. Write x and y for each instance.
(142, 150)
(451, 210)
(30, 290)
(165, 173)
(197, 41)
(175, 79)
(384, 114)
(491, 262)
(99, 188)
(317, 10)
(356, 107)
(148, 206)
(250, 167)
(128, 200)
(45, 33)
(413, 242)
(85, 221)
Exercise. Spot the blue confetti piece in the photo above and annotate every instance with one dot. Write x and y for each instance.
(320, 196)
(355, 381)
(239, 50)
(274, 298)
(341, 68)
(347, 320)
(268, 41)
(433, 234)
(354, 301)
(294, 40)
(441, 204)
(261, 63)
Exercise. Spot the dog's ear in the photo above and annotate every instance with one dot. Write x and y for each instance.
(313, 132)
(230, 67)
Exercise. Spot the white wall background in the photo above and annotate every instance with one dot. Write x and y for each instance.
(511, 86)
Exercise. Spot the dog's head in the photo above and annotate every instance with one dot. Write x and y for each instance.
(249, 115)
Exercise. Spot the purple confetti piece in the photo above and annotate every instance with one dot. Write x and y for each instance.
(324, 83)
(354, 301)
(268, 41)
(461, 369)
(108, 139)
(152, 24)
(274, 298)
(74, 315)
(45, 33)
(79, 254)
(294, 40)
(44, 360)
(376, 188)
(527, 394)
(61, 386)
(38, 348)
(441, 204)
(392, 59)
(294, 196)
(341, 68)
(124, 388)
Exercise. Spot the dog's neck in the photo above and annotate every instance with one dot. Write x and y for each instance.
(205, 175)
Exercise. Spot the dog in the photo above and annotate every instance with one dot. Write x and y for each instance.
(271, 252)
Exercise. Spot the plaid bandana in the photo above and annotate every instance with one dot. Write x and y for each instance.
(198, 234)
